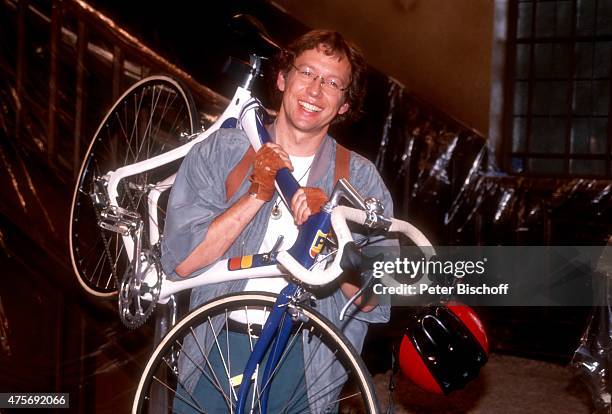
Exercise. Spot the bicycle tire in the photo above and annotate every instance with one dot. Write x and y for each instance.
(145, 121)
(157, 389)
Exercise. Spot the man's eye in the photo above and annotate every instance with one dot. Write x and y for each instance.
(334, 84)
(307, 73)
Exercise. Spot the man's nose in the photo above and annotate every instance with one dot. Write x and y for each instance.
(315, 86)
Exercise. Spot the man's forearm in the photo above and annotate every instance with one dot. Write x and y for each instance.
(222, 232)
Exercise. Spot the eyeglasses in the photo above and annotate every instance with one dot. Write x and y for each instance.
(329, 84)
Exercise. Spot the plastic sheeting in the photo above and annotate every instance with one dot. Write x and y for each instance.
(593, 358)
(439, 168)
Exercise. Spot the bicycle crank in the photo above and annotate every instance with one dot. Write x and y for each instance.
(139, 291)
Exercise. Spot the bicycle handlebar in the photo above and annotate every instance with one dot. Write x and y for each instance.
(339, 217)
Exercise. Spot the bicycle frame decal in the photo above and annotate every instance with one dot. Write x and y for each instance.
(317, 244)
(237, 263)
(311, 237)
(249, 261)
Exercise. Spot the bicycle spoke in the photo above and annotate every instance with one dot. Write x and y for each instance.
(127, 139)
(216, 382)
(229, 361)
(166, 107)
(147, 127)
(227, 373)
(132, 138)
(256, 396)
(172, 370)
(162, 383)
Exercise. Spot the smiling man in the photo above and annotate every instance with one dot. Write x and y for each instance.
(313, 95)
(322, 80)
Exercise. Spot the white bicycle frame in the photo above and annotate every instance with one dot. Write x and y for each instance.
(114, 177)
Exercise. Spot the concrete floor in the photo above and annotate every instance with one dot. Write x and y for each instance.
(506, 385)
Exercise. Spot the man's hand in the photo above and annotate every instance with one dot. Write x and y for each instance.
(269, 159)
(305, 202)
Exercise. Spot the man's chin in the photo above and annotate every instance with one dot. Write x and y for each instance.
(311, 123)
(309, 128)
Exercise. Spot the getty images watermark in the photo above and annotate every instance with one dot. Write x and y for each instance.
(492, 275)
(430, 269)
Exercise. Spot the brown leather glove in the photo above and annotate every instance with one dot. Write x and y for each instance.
(265, 166)
(315, 198)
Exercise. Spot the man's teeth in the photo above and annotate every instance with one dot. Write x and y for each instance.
(310, 107)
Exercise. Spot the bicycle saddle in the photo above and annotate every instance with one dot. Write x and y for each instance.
(254, 32)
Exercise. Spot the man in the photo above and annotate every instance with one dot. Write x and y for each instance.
(321, 79)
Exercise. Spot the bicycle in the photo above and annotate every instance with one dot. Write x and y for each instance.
(119, 189)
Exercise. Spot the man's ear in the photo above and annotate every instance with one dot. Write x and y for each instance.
(344, 108)
(281, 78)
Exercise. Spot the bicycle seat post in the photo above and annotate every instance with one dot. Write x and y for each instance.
(254, 72)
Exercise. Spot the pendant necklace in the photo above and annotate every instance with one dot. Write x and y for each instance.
(276, 211)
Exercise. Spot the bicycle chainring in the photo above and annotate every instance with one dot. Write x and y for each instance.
(137, 298)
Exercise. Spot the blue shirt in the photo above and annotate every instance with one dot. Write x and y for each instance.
(198, 196)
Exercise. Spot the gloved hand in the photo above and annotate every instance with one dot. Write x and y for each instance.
(315, 198)
(268, 160)
(307, 201)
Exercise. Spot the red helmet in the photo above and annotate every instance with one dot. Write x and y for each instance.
(444, 347)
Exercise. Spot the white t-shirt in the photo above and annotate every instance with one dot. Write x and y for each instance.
(284, 225)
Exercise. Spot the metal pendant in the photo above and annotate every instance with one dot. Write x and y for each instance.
(276, 212)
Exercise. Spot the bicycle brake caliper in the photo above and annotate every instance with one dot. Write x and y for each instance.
(293, 307)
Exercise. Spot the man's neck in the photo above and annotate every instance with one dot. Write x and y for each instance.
(296, 142)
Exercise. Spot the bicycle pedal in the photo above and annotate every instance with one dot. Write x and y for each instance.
(119, 220)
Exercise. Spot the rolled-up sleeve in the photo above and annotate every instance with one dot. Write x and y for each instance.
(198, 195)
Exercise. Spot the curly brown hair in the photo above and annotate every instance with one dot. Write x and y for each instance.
(332, 44)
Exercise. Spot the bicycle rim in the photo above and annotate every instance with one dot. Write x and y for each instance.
(145, 121)
(200, 380)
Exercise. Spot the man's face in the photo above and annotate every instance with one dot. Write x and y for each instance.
(308, 105)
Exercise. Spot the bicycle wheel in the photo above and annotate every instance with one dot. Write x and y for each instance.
(145, 121)
(208, 372)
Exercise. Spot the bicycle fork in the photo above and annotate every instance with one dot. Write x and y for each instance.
(279, 317)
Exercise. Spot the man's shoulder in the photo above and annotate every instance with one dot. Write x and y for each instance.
(360, 164)
(365, 176)
(224, 141)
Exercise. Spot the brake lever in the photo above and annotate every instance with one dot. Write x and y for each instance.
(354, 260)
(360, 292)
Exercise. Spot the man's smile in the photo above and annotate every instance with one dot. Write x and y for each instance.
(309, 107)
